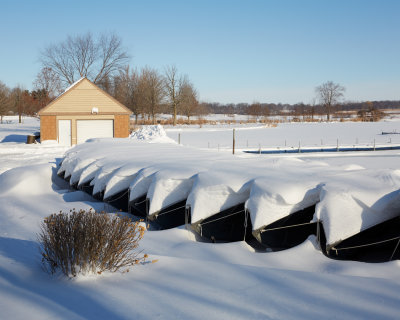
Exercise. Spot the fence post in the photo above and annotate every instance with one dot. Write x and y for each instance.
(233, 142)
(337, 144)
(374, 144)
(179, 138)
(299, 147)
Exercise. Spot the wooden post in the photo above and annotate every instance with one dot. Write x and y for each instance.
(179, 138)
(233, 142)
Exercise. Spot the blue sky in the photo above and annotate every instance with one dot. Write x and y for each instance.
(233, 51)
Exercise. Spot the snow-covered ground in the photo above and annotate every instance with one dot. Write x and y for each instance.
(289, 135)
(192, 279)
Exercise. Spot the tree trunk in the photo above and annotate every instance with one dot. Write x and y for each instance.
(136, 120)
(328, 112)
(174, 122)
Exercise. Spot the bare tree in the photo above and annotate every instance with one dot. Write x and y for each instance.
(202, 110)
(151, 89)
(49, 81)
(127, 90)
(255, 109)
(172, 87)
(4, 100)
(188, 98)
(85, 56)
(329, 94)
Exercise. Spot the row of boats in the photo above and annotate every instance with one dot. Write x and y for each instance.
(375, 244)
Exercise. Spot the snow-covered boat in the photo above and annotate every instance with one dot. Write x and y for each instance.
(232, 224)
(171, 216)
(138, 206)
(379, 243)
(119, 200)
(86, 187)
(289, 231)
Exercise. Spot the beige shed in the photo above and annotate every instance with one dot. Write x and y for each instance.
(82, 112)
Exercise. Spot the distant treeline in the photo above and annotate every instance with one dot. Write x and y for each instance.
(298, 108)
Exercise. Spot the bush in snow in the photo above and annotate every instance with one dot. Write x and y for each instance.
(87, 241)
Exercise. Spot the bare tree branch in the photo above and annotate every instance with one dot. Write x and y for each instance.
(49, 81)
(172, 84)
(85, 56)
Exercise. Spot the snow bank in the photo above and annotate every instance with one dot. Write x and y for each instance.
(154, 133)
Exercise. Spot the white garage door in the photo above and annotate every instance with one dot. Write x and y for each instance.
(88, 129)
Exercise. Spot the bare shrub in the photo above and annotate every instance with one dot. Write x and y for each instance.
(87, 241)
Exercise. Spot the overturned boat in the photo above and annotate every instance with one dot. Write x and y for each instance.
(168, 192)
(282, 211)
(289, 231)
(362, 224)
(232, 224)
(379, 243)
(171, 216)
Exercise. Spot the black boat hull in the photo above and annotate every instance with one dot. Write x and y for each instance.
(171, 216)
(138, 206)
(379, 243)
(289, 231)
(229, 225)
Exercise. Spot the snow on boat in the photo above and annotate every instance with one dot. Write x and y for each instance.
(379, 243)
(282, 210)
(77, 171)
(138, 202)
(102, 176)
(216, 205)
(359, 215)
(168, 192)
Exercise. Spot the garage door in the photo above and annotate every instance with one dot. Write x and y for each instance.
(88, 129)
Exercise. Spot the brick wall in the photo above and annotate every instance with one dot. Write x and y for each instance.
(121, 126)
(48, 128)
